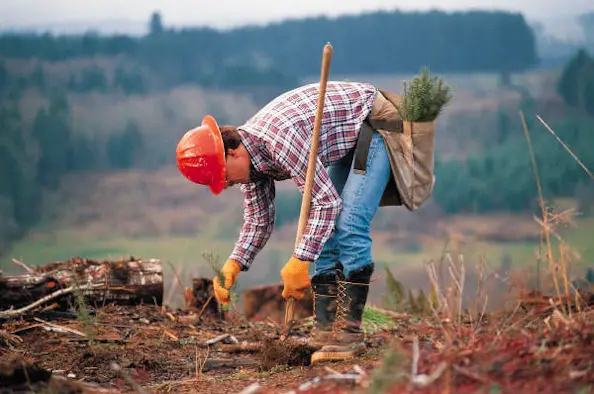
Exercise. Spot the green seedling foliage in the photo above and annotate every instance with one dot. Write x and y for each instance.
(424, 98)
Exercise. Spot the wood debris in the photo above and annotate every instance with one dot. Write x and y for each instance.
(120, 347)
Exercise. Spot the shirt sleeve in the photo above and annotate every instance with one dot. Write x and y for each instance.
(323, 212)
(258, 220)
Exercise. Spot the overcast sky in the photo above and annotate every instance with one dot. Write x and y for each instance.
(225, 13)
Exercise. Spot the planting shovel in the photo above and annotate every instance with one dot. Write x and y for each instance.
(311, 168)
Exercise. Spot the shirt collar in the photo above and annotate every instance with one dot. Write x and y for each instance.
(254, 147)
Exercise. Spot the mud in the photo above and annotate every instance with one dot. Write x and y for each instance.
(289, 352)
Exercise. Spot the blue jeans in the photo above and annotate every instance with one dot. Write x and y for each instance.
(350, 242)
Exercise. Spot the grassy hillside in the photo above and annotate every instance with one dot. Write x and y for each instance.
(155, 212)
(159, 214)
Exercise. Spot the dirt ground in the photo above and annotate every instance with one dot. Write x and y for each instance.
(537, 347)
(159, 350)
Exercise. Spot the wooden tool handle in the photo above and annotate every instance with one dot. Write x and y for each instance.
(315, 143)
(311, 167)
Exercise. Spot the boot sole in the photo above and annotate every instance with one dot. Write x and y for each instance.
(337, 353)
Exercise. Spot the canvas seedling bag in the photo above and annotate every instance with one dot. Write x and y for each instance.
(410, 147)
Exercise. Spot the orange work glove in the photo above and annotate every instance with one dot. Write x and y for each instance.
(295, 278)
(229, 271)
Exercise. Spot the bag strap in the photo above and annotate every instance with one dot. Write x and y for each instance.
(362, 148)
(393, 124)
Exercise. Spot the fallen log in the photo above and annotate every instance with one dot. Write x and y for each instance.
(124, 282)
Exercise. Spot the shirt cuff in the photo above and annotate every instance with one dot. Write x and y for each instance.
(305, 252)
(243, 261)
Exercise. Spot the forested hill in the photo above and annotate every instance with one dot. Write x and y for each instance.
(380, 42)
(92, 103)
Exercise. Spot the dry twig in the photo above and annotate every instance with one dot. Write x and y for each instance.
(565, 146)
(58, 328)
(204, 306)
(56, 294)
(251, 389)
(214, 340)
(241, 347)
(547, 235)
(470, 374)
(9, 338)
(23, 266)
(423, 380)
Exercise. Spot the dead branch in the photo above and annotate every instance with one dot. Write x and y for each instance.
(359, 370)
(58, 328)
(241, 347)
(26, 328)
(423, 380)
(170, 334)
(214, 340)
(56, 294)
(566, 147)
(251, 389)
(318, 379)
(470, 374)
(9, 338)
(23, 266)
(204, 306)
(125, 282)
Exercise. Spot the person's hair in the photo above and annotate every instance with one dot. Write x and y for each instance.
(231, 138)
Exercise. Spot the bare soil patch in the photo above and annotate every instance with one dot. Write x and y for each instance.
(147, 348)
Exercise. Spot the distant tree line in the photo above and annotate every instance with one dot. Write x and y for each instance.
(278, 54)
(501, 177)
(34, 157)
(576, 85)
(92, 78)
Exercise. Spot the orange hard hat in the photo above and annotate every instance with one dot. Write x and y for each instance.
(200, 155)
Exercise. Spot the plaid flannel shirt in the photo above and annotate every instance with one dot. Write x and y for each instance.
(278, 139)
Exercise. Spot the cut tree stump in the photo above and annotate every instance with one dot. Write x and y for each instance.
(202, 298)
(266, 302)
(124, 282)
(259, 303)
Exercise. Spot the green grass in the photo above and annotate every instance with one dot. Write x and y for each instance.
(523, 254)
(185, 255)
(62, 245)
(186, 251)
(374, 320)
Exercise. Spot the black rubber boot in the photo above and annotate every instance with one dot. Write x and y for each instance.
(348, 339)
(356, 289)
(325, 291)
